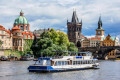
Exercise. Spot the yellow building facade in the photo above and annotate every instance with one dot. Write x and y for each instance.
(110, 41)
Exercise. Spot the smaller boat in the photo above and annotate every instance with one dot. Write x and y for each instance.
(27, 57)
(4, 58)
(65, 63)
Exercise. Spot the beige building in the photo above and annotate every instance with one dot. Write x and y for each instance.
(85, 42)
(95, 41)
(6, 38)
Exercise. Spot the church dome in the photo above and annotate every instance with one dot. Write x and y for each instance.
(21, 19)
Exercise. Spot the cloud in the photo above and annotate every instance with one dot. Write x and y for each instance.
(90, 36)
(54, 13)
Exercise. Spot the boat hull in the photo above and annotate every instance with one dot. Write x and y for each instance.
(51, 69)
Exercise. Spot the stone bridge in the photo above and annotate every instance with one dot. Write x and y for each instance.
(100, 51)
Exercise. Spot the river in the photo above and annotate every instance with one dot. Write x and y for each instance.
(17, 70)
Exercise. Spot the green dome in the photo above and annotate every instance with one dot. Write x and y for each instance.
(21, 20)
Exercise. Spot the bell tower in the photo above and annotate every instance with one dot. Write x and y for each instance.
(74, 30)
(100, 30)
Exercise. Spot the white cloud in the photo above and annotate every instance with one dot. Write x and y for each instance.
(90, 36)
(42, 23)
(47, 13)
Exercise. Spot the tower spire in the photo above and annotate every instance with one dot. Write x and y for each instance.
(74, 17)
(100, 23)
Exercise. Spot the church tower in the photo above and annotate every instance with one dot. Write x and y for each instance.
(22, 23)
(74, 30)
(100, 30)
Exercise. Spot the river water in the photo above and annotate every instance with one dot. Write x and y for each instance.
(17, 70)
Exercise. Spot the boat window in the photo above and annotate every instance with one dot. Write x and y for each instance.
(91, 61)
(62, 63)
(73, 62)
(66, 63)
(87, 62)
(83, 62)
(54, 63)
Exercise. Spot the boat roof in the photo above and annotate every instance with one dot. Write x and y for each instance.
(72, 52)
(44, 58)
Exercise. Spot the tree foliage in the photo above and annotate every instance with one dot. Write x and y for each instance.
(53, 41)
(27, 45)
(0, 43)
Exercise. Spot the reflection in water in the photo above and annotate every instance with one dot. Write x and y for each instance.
(17, 70)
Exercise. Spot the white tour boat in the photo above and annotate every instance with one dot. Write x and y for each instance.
(65, 63)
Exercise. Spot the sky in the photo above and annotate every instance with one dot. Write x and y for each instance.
(43, 14)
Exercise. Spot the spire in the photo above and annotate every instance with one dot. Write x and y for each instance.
(100, 23)
(21, 13)
(109, 35)
(67, 20)
(81, 21)
(74, 17)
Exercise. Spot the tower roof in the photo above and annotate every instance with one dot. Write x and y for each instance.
(21, 19)
(100, 23)
(109, 35)
(74, 17)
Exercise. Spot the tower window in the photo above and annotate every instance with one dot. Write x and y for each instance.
(26, 27)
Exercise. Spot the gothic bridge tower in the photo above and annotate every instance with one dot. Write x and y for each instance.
(74, 29)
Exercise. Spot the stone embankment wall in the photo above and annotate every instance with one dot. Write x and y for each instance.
(2, 53)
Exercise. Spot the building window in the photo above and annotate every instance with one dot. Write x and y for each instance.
(2, 37)
(21, 27)
(2, 32)
(26, 27)
(28, 36)
(15, 42)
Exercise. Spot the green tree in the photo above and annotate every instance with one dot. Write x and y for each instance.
(53, 41)
(27, 46)
(72, 47)
(63, 38)
(54, 36)
(44, 43)
(45, 34)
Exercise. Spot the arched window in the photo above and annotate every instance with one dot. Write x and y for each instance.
(78, 44)
(21, 27)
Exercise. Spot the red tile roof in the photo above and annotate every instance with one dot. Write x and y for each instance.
(82, 36)
(93, 38)
(16, 28)
(27, 33)
(2, 28)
